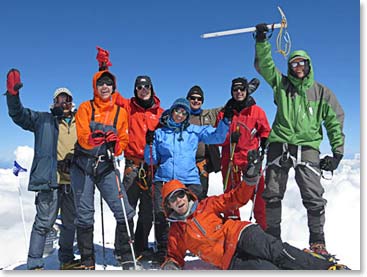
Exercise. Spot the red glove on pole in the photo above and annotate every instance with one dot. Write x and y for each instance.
(13, 83)
(103, 58)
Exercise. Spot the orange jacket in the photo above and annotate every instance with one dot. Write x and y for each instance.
(140, 120)
(105, 112)
(204, 233)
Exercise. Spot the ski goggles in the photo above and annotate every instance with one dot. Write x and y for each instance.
(140, 87)
(178, 194)
(180, 111)
(300, 63)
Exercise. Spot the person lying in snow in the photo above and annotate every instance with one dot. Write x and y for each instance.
(232, 244)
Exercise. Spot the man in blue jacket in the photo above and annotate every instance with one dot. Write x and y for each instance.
(55, 136)
(173, 149)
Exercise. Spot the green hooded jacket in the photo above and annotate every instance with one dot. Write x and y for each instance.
(302, 105)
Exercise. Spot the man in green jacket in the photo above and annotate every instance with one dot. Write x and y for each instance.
(303, 105)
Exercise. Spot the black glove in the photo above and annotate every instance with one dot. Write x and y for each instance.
(261, 30)
(64, 165)
(235, 136)
(228, 110)
(149, 137)
(253, 171)
(252, 86)
(170, 266)
(330, 163)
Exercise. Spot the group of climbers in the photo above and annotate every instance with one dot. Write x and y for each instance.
(168, 157)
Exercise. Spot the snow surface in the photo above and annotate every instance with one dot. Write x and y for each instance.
(342, 228)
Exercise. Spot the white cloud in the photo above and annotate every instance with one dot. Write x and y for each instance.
(342, 227)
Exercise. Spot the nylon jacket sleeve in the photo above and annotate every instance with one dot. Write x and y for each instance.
(176, 249)
(333, 116)
(263, 127)
(122, 101)
(265, 65)
(23, 117)
(82, 118)
(211, 135)
(233, 199)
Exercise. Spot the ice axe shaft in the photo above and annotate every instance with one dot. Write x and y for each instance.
(238, 31)
(249, 29)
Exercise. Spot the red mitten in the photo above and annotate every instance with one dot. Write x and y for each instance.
(13, 83)
(103, 58)
(113, 141)
(96, 138)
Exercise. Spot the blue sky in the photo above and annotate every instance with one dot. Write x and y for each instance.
(53, 44)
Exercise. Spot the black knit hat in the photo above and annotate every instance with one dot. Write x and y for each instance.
(143, 80)
(240, 81)
(195, 90)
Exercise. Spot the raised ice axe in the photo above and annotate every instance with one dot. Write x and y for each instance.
(283, 24)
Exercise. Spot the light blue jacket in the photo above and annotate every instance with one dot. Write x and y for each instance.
(176, 158)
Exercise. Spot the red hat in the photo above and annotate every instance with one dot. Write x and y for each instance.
(171, 187)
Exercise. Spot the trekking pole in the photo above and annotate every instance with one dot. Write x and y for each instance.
(22, 214)
(255, 192)
(254, 201)
(17, 168)
(230, 164)
(103, 241)
(155, 243)
(118, 183)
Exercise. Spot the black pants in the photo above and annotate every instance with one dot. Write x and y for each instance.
(145, 215)
(257, 250)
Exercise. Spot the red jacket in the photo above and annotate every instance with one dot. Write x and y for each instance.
(140, 120)
(204, 233)
(253, 125)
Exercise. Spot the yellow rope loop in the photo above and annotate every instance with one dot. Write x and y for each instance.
(287, 46)
(142, 173)
(142, 176)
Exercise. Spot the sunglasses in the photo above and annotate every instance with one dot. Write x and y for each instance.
(140, 87)
(300, 63)
(197, 98)
(241, 88)
(101, 82)
(179, 194)
(180, 112)
(63, 98)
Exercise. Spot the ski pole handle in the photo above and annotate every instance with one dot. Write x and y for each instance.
(238, 31)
